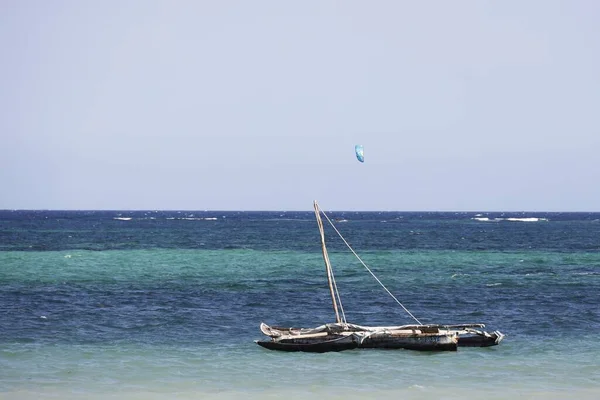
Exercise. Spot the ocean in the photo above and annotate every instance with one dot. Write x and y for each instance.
(167, 304)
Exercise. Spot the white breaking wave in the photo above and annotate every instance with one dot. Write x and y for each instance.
(123, 218)
(193, 219)
(529, 219)
(511, 219)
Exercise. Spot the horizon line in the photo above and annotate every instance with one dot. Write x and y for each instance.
(291, 211)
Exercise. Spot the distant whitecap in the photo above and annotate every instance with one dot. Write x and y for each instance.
(529, 219)
(511, 219)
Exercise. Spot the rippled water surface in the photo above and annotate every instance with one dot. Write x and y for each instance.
(167, 304)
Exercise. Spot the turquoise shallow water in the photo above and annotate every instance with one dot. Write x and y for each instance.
(166, 322)
(189, 372)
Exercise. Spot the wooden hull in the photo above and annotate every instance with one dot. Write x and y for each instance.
(480, 340)
(413, 337)
(422, 342)
(310, 345)
(338, 337)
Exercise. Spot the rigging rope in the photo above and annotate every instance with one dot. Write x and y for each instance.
(368, 269)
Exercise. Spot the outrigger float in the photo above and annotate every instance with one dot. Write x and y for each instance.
(342, 335)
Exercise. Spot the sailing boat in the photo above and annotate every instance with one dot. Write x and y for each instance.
(342, 335)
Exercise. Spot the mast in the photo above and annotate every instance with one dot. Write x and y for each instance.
(327, 263)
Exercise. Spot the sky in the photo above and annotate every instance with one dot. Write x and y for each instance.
(257, 105)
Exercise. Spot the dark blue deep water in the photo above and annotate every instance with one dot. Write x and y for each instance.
(270, 231)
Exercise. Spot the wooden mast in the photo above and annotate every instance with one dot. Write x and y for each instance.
(327, 263)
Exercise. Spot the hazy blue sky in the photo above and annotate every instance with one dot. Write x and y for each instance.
(257, 105)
